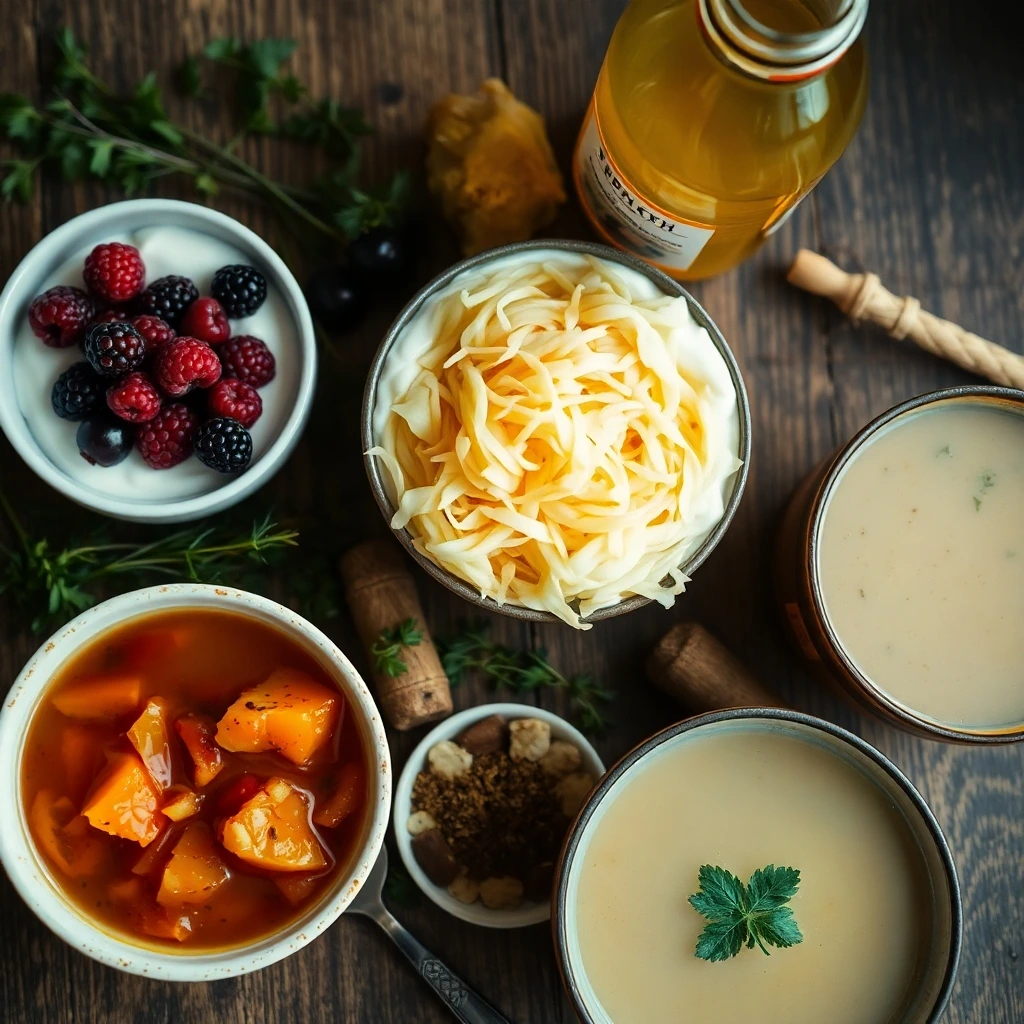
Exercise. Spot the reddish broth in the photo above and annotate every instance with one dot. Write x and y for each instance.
(198, 661)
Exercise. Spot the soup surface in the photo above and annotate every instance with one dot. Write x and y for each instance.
(193, 780)
(921, 564)
(743, 797)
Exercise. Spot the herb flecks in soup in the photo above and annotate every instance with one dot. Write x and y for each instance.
(192, 779)
(744, 796)
(921, 563)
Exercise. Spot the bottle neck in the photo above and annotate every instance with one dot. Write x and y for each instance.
(781, 53)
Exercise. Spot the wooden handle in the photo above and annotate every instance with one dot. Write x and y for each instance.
(691, 665)
(381, 594)
(818, 275)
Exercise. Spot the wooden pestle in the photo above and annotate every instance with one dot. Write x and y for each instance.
(381, 594)
(691, 665)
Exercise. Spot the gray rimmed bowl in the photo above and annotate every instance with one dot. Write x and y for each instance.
(938, 964)
(669, 287)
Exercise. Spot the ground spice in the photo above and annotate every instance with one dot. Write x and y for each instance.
(500, 817)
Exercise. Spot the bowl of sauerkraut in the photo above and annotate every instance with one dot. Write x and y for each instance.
(556, 431)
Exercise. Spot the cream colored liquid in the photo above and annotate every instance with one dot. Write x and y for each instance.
(922, 564)
(743, 798)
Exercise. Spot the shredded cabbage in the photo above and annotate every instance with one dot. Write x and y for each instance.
(560, 445)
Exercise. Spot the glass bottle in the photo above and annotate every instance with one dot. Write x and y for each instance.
(712, 119)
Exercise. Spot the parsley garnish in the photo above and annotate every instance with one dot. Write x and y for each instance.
(522, 671)
(751, 914)
(387, 660)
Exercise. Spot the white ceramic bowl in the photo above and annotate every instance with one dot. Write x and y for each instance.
(477, 913)
(32, 877)
(106, 224)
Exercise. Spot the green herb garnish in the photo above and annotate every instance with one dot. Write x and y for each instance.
(387, 660)
(944, 451)
(50, 585)
(977, 504)
(751, 914)
(522, 671)
(86, 129)
(399, 888)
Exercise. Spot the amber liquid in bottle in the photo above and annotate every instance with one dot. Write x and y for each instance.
(689, 161)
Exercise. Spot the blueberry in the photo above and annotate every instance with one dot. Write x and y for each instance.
(382, 252)
(104, 440)
(335, 296)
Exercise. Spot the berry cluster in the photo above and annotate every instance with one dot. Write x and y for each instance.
(161, 371)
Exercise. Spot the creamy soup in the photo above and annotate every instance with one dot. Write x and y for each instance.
(742, 797)
(921, 563)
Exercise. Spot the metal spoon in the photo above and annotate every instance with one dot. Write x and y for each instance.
(465, 1004)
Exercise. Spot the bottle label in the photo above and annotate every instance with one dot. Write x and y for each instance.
(625, 216)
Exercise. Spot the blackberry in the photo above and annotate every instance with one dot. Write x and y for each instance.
(223, 444)
(114, 349)
(77, 391)
(240, 289)
(168, 298)
(103, 440)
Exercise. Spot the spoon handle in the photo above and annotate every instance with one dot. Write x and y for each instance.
(465, 1004)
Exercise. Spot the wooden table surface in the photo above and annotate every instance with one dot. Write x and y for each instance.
(930, 195)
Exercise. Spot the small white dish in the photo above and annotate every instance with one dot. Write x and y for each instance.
(291, 394)
(476, 913)
(33, 879)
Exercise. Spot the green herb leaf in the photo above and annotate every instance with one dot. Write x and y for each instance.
(399, 888)
(387, 649)
(189, 78)
(738, 915)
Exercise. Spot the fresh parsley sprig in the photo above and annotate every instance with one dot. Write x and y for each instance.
(523, 671)
(751, 914)
(50, 585)
(87, 129)
(387, 650)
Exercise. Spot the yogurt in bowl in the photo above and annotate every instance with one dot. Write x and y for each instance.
(172, 238)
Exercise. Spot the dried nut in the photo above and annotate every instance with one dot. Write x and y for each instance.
(561, 758)
(448, 759)
(464, 889)
(572, 791)
(504, 893)
(530, 739)
(420, 821)
(539, 879)
(435, 856)
(486, 736)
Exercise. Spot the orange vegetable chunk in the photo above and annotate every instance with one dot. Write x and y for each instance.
(149, 737)
(290, 712)
(297, 887)
(124, 801)
(272, 831)
(101, 696)
(196, 732)
(156, 921)
(127, 890)
(64, 835)
(345, 797)
(81, 751)
(181, 803)
(195, 869)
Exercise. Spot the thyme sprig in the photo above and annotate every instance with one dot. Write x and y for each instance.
(387, 650)
(50, 585)
(522, 672)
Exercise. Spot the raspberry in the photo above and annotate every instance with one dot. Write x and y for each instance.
(223, 444)
(77, 392)
(155, 331)
(248, 359)
(114, 272)
(168, 298)
(239, 289)
(59, 316)
(236, 400)
(134, 399)
(207, 321)
(114, 349)
(186, 363)
(110, 316)
(166, 439)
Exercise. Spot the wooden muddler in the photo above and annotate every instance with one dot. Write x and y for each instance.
(862, 297)
(381, 594)
(699, 671)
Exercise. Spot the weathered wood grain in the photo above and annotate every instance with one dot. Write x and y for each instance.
(930, 195)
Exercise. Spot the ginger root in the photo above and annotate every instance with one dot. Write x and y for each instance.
(491, 164)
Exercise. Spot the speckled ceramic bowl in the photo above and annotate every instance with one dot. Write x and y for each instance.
(34, 880)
